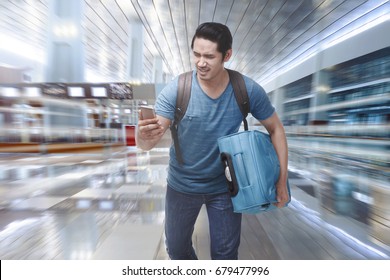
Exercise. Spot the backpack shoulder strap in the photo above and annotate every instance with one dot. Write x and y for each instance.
(182, 99)
(183, 95)
(240, 93)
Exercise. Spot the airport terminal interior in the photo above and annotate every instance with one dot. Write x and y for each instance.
(73, 74)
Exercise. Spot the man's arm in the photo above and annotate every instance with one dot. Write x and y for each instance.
(278, 137)
(150, 131)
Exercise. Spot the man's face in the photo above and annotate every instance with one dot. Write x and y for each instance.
(208, 60)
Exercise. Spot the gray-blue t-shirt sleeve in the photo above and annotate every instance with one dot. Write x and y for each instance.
(261, 107)
(166, 100)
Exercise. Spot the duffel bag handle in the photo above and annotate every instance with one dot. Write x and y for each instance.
(230, 174)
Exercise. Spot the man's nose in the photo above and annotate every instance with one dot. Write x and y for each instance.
(202, 61)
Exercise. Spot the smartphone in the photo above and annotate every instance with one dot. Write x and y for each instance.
(148, 112)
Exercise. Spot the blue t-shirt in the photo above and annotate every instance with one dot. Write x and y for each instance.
(206, 120)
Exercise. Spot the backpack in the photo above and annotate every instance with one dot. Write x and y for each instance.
(183, 97)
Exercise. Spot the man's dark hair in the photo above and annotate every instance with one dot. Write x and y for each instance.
(217, 33)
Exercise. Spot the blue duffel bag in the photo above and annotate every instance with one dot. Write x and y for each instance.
(252, 169)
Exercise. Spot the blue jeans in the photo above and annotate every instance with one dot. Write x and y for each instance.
(181, 212)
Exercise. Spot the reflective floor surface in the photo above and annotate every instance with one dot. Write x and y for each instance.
(111, 206)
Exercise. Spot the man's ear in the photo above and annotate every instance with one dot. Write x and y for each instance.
(228, 55)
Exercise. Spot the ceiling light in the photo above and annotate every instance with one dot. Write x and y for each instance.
(65, 30)
(359, 30)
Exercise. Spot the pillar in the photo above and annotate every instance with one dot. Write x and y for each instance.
(320, 88)
(135, 51)
(278, 100)
(65, 50)
(157, 70)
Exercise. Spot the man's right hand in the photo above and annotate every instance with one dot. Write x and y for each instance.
(149, 128)
(149, 131)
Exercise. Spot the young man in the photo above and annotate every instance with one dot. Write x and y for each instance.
(212, 112)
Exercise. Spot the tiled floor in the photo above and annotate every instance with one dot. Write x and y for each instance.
(111, 206)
